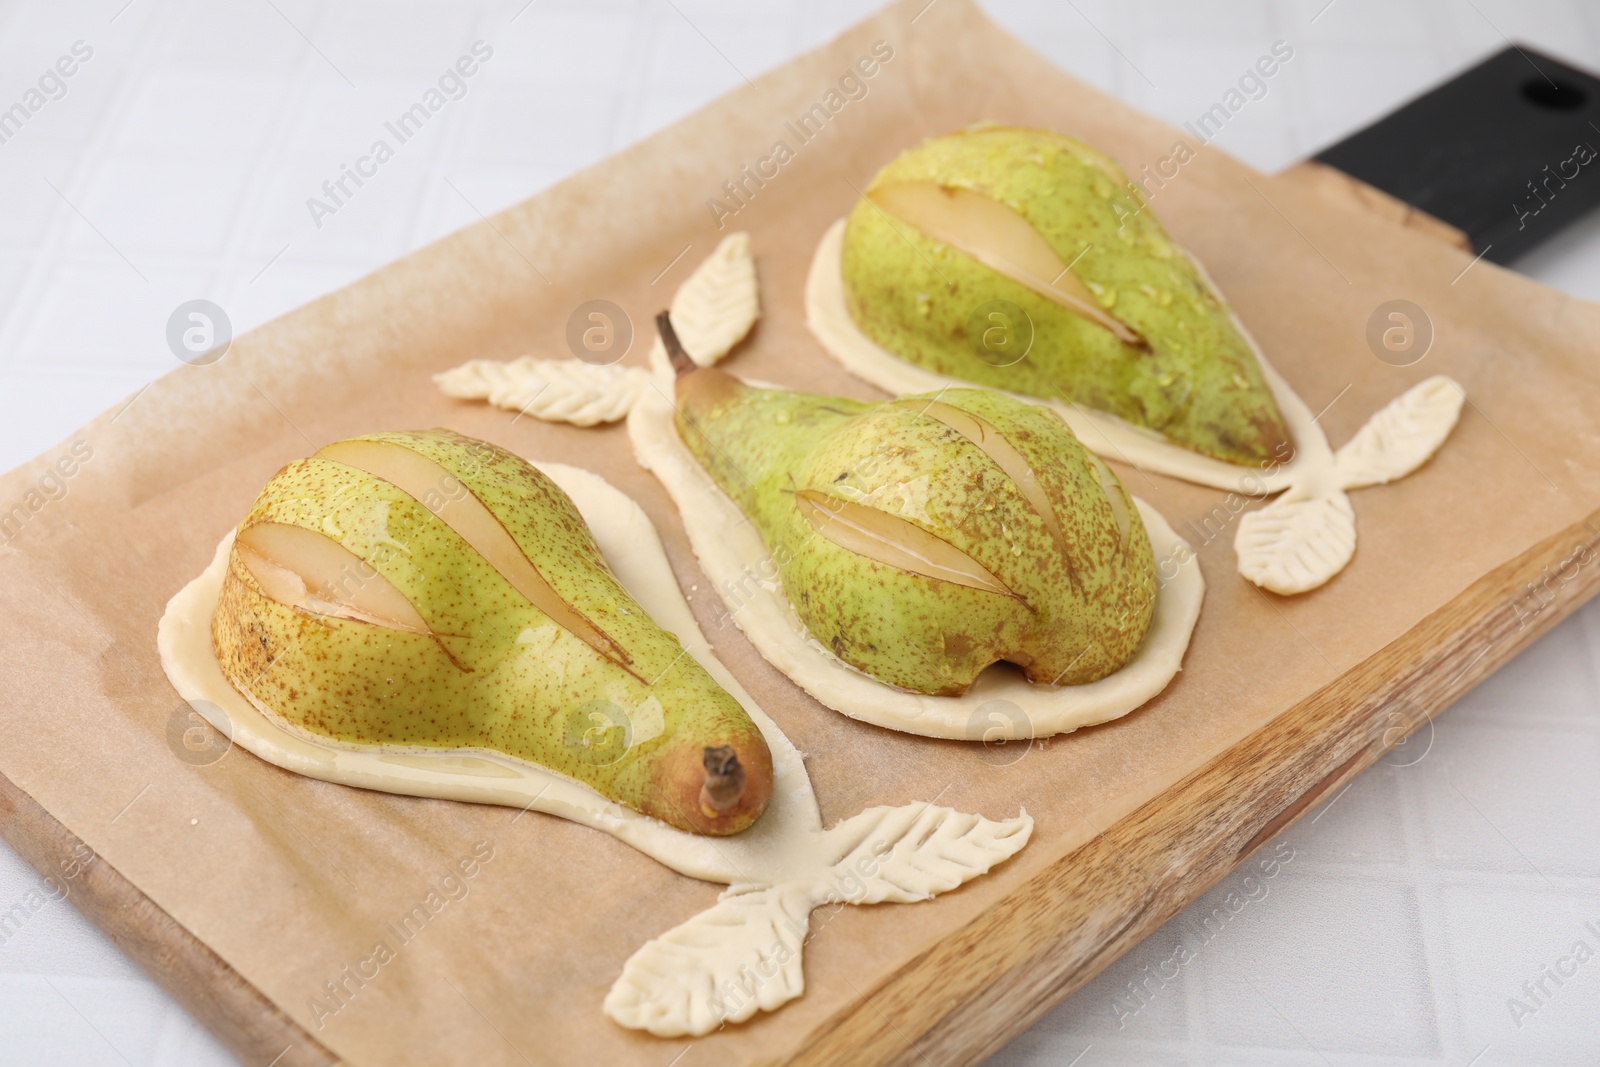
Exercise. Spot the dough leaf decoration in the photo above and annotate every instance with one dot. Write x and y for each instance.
(916, 851)
(1290, 546)
(1401, 437)
(1297, 542)
(741, 956)
(744, 954)
(723, 965)
(713, 310)
(719, 303)
(1302, 539)
(552, 390)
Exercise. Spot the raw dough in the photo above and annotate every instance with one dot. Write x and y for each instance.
(719, 303)
(713, 310)
(828, 315)
(733, 556)
(552, 390)
(1293, 544)
(689, 980)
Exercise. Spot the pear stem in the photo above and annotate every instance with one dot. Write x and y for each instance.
(724, 778)
(681, 361)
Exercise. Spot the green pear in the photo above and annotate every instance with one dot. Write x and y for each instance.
(427, 590)
(1118, 317)
(925, 538)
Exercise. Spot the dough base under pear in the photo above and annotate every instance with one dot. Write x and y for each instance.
(828, 316)
(732, 554)
(785, 864)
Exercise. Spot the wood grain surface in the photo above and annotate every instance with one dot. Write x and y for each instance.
(988, 983)
(988, 980)
(196, 977)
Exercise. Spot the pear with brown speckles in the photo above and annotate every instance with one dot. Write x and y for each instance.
(925, 538)
(431, 591)
(958, 234)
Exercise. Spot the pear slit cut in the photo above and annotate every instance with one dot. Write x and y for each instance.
(1012, 463)
(724, 784)
(374, 600)
(894, 542)
(308, 570)
(426, 481)
(1119, 507)
(1002, 240)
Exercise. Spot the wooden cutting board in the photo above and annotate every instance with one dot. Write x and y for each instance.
(1458, 569)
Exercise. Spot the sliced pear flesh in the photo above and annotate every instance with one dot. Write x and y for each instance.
(893, 541)
(996, 447)
(1001, 240)
(311, 571)
(422, 478)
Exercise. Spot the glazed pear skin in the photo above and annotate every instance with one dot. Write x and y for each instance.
(603, 696)
(1189, 375)
(1056, 575)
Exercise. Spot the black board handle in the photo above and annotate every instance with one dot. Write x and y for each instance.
(1507, 152)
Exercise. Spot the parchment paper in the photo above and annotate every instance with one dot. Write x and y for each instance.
(292, 881)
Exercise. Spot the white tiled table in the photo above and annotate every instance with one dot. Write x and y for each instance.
(177, 165)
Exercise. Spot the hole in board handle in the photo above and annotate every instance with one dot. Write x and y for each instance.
(1553, 95)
